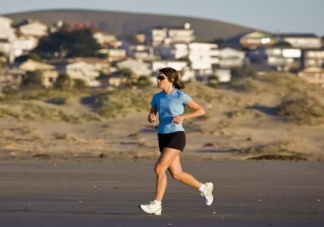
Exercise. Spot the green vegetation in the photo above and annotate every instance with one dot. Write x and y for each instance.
(79, 43)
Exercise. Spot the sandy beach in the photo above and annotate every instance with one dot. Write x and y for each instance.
(252, 193)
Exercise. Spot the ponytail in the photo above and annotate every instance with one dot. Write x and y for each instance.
(179, 85)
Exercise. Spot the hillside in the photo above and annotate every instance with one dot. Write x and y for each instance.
(128, 23)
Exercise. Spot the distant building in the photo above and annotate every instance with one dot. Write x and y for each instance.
(29, 27)
(301, 40)
(6, 30)
(160, 35)
(230, 57)
(313, 57)
(139, 68)
(280, 55)
(251, 40)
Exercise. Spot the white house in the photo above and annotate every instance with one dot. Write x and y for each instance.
(140, 68)
(100, 65)
(23, 44)
(141, 52)
(302, 41)
(177, 65)
(114, 54)
(31, 27)
(6, 31)
(181, 34)
(157, 36)
(313, 57)
(281, 55)
(48, 71)
(104, 38)
(79, 70)
(284, 56)
(5, 46)
(203, 56)
(230, 57)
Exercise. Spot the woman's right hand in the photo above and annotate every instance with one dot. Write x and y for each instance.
(151, 117)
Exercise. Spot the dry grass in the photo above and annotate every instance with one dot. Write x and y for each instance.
(290, 148)
(279, 84)
(123, 102)
(302, 109)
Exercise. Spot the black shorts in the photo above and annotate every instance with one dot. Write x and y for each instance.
(175, 140)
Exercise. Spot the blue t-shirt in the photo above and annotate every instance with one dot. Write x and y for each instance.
(168, 106)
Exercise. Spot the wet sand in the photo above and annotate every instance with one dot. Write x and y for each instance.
(108, 194)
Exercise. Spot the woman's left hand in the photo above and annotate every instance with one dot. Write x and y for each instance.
(177, 119)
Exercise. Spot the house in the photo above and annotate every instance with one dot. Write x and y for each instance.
(156, 65)
(29, 27)
(11, 77)
(313, 74)
(7, 32)
(281, 55)
(203, 56)
(104, 38)
(301, 41)
(48, 71)
(139, 68)
(78, 70)
(158, 35)
(5, 46)
(114, 54)
(230, 57)
(251, 40)
(23, 45)
(31, 65)
(313, 57)
(115, 79)
(181, 34)
(140, 51)
(100, 65)
(17, 47)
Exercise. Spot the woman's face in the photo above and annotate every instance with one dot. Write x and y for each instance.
(162, 81)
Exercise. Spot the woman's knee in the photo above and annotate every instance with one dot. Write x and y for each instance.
(159, 169)
(176, 175)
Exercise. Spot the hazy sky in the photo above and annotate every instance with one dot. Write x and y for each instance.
(273, 16)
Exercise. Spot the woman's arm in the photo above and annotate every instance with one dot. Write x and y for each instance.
(197, 111)
(152, 115)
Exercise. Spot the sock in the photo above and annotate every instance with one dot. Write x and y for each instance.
(202, 187)
(157, 202)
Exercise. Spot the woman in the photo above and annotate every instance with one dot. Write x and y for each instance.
(169, 104)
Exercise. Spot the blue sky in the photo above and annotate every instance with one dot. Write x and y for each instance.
(273, 16)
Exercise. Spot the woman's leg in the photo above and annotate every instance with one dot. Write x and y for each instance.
(166, 158)
(176, 171)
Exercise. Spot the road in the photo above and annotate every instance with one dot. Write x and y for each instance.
(77, 194)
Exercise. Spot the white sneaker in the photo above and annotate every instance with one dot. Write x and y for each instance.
(208, 193)
(152, 208)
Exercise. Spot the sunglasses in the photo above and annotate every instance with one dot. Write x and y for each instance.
(160, 78)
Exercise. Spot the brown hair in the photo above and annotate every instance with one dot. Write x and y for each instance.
(173, 76)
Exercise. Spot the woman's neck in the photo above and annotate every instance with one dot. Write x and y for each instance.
(168, 90)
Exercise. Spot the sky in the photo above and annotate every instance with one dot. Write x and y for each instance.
(273, 16)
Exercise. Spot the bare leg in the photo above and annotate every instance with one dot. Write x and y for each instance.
(167, 157)
(176, 171)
